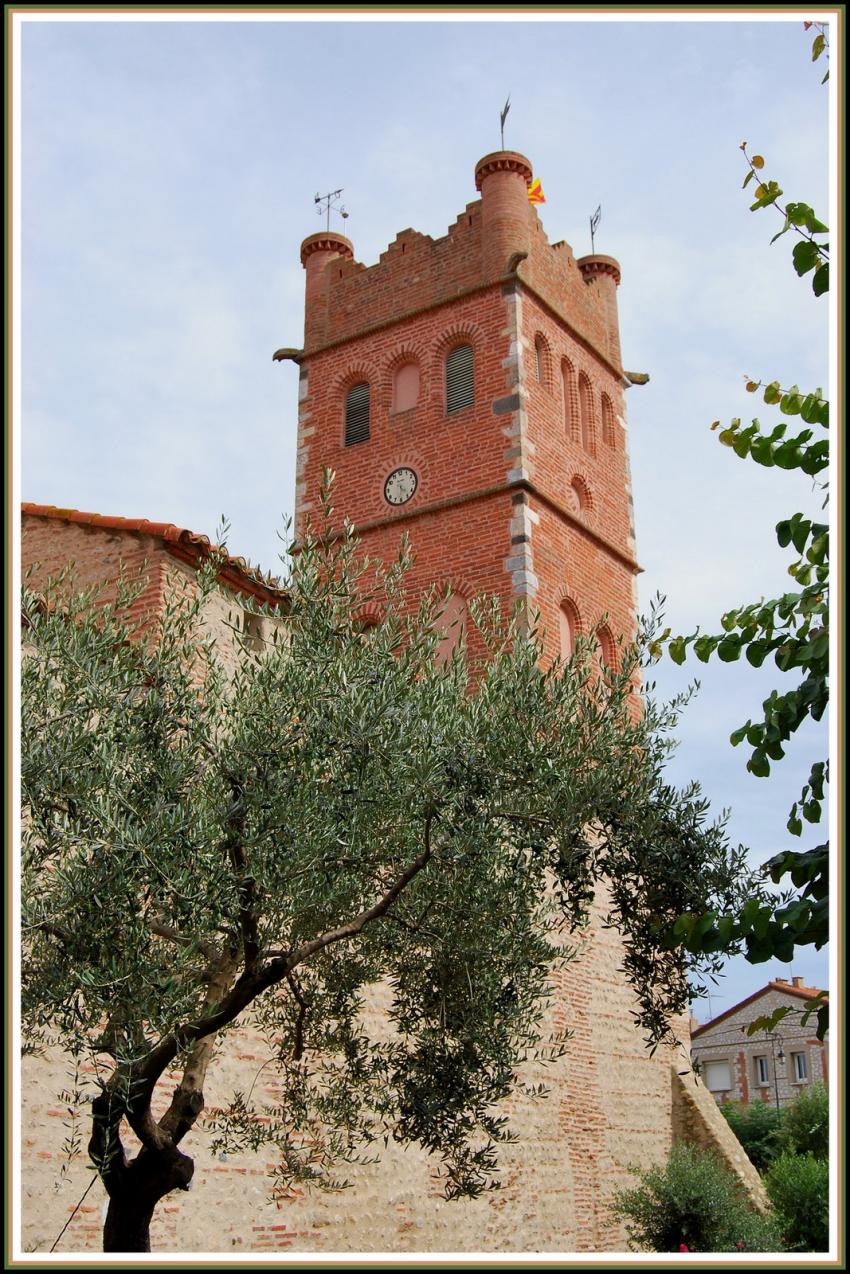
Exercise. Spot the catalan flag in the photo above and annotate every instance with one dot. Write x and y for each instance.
(535, 192)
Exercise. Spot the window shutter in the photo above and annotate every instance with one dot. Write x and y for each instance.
(357, 414)
(459, 387)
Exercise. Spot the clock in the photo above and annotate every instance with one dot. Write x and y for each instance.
(400, 486)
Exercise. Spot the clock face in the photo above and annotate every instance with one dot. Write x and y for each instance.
(400, 486)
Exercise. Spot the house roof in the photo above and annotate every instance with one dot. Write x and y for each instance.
(801, 993)
(182, 543)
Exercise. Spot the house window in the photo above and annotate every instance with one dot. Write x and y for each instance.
(762, 1071)
(801, 1067)
(460, 391)
(717, 1076)
(357, 414)
(406, 387)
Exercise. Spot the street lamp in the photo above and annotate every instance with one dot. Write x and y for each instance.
(777, 1057)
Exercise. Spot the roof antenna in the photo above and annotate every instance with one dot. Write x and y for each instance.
(503, 117)
(594, 225)
(330, 201)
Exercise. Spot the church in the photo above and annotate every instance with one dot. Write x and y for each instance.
(468, 391)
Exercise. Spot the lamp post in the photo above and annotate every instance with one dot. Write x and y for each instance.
(777, 1057)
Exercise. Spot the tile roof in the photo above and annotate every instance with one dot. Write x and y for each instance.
(802, 992)
(186, 545)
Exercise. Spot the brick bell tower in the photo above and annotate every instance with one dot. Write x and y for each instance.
(469, 391)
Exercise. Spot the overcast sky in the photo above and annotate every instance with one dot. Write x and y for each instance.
(168, 174)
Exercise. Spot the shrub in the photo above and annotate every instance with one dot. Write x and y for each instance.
(758, 1127)
(696, 1202)
(805, 1124)
(798, 1186)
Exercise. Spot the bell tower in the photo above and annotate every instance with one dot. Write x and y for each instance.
(469, 391)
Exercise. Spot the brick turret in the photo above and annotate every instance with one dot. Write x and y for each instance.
(503, 179)
(603, 273)
(318, 251)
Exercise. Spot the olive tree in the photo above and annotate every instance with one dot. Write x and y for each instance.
(343, 809)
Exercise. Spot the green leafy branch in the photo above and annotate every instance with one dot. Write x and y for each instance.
(811, 253)
(820, 44)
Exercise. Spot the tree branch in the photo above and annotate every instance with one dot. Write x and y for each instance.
(162, 930)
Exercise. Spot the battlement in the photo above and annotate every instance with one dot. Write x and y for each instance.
(496, 238)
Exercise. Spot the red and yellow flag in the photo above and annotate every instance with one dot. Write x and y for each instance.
(535, 192)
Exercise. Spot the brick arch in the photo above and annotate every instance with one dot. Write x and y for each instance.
(609, 432)
(369, 614)
(542, 368)
(569, 399)
(587, 414)
(583, 494)
(458, 584)
(354, 374)
(460, 333)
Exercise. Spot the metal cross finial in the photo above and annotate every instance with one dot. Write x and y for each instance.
(330, 204)
(503, 117)
(594, 225)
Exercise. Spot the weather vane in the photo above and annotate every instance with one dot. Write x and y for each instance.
(330, 205)
(594, 225)
(503, 117)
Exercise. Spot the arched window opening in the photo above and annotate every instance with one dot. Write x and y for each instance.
(586, 413)
(405, 387)
(581, 495)
(450, 620)
(568, 623)
(460, 389)
(609, 433)
(607, 647)
(568, 392)
(540, 360)
(357, 414)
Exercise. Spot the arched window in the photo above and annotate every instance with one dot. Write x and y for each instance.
(568, 390)
(586, 412)
(568, 622)
(581, 494)
(609, 433)
(450, 620)
(357, 414)
(405, 387)
(607, 646)
(460, 388)
(540, 360)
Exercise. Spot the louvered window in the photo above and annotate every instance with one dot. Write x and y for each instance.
(357, 414)
(460, 391)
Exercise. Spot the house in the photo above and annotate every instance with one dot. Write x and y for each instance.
(769, 1066)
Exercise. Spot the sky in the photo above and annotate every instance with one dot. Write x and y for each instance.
(167, 178)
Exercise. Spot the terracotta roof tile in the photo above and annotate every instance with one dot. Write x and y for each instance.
(181, 542)
(802, 992)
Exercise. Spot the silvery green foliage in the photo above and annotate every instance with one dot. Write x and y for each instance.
(339, 812)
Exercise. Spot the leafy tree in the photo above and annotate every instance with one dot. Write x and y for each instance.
(805, 1123)
(340, 810)
(798, 1186)
(693, 1204)
(792, 629)
(758, 1127)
